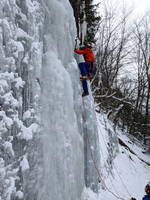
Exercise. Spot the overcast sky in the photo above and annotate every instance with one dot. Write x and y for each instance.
(140, 6)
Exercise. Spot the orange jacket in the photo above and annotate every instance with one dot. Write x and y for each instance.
(87, 54)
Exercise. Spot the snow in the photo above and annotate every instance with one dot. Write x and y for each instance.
(2, 169)
(7, 76)
(19, 194)
(22, 34)
(135, 147)
(3, 87)
(129, 174)
(8, 148)
(10, 100)
(16, 48)
(5, 120)
(27, 132)
(88, 194)
(48, 132)
(19, 83)
(24, 164)
(32, 6)
(26, 59)
(28, 114)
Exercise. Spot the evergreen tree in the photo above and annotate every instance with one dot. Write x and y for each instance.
(85, 10)
(76, 4)
(92, 19)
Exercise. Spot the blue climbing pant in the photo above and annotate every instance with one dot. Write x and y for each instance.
(86, 70)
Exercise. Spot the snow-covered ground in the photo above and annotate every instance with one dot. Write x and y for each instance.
(125, 169)
(44, 123)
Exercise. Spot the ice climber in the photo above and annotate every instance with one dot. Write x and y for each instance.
(147, 191)
(86, 68)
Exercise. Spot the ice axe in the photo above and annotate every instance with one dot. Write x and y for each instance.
(76, 40)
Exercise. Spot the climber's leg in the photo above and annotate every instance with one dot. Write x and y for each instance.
(83, 70)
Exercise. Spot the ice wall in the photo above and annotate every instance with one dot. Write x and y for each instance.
(48, 132)
(21, 47)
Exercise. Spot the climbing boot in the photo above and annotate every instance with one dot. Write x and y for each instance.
(82, 78)
(85, 94)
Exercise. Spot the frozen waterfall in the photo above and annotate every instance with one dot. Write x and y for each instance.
(51, 130)
(63, 111)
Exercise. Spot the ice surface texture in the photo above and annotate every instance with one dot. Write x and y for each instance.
(44, 122)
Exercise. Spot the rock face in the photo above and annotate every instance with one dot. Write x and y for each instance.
(47, 131)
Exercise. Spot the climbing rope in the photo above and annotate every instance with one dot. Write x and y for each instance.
(122, 181)
(102, 154)
(94, 162)
(115, 166)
